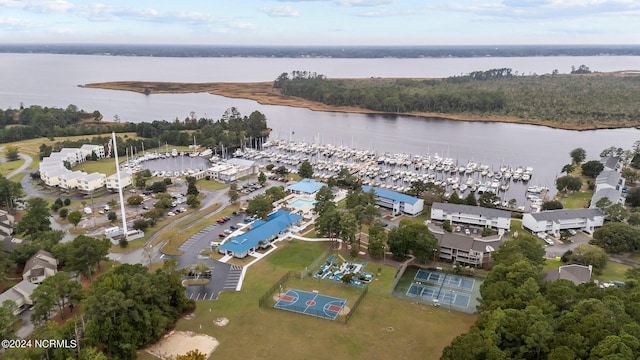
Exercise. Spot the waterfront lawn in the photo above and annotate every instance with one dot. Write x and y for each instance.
(32, 146)
(578, 200)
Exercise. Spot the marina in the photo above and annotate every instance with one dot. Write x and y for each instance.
(398, 171)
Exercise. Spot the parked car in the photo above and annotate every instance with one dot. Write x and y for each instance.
(227, 231)
(572, 232)
(233, 227)
(467, 232)
(222, 235)
(145, 207)
(221, 221)
(549, 241)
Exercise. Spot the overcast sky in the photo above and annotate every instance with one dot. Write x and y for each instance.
(321, 22)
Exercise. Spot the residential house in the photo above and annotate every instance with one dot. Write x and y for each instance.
(69, 180)
(472, 215)
(88, 149)
(39, 267)
(20, 294)
(472, 250)
(577, 274)
(398, 203)
(609, 184)
(555, 221)
(91, 182)
(112, 181)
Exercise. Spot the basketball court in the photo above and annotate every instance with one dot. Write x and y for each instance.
(310, 303)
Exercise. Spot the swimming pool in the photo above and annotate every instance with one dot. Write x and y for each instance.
(299, 203)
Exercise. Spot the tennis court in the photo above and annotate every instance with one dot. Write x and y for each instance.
(310, 303)
(448, 280)
(443, 295)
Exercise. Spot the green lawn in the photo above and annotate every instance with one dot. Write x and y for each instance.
(551, 264)
(383, 327)
(577, 200)
(7, 167)
(613, 271)
(210, 185)
(105, 166)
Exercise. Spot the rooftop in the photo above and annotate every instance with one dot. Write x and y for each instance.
(261, 231)
(392, 195)
(307, 186)
(470, 209)
(566, 214)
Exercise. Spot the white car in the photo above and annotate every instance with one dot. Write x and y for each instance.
(572, 232)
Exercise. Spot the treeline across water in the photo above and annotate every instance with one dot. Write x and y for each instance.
(573, 101)
(230, 131)
(324, 51)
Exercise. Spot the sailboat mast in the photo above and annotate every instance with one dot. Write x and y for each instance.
(122, 213)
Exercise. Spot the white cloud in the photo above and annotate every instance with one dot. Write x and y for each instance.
(348, 2)
(280, 11)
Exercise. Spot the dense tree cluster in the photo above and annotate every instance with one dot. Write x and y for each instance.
(576, 101)
(128, 308)
(412, 238)
(36, 121)
(522, 317)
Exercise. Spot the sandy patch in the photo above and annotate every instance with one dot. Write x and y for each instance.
(180, 342)
(345, 310)
(221, 321)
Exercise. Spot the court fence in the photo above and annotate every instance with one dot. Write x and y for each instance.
(263, 301)
(356, 304)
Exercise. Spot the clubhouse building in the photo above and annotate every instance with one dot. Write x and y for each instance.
(260, 236)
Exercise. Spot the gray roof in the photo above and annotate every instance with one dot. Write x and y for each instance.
(465, 242)
(240, 162)
(566, 214)
(94, 176)
(578, 274)
(610, 177)
(469, 209)
(612, 194)
(37, 260)
(610, 162)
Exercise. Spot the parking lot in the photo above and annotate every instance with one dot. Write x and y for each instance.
(559, 248)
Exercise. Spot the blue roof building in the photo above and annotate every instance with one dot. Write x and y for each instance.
(398, 203)
(261, 234)
(305, 186)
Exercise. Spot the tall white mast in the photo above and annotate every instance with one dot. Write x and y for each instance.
(122, 213)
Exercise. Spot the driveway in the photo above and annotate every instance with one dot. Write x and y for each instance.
(560, 248)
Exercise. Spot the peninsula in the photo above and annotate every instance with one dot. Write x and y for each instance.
(572, 102)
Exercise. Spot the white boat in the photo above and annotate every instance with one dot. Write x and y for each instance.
(463, 187)
(174, 152)
(206, 153)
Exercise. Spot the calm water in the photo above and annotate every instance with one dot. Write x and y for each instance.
(52, 80)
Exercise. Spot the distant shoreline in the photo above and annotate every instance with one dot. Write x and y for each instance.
(264, 94)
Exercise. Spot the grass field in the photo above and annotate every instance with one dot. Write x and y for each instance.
(613, 271)
(32, 146)
(210, 185)
(7, 167)
(577, 200)
(383, 327)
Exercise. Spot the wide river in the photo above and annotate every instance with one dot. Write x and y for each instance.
(52, 80)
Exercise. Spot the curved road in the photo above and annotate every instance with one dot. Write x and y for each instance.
(27, 162)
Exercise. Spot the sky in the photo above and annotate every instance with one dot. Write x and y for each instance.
(321, 22)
